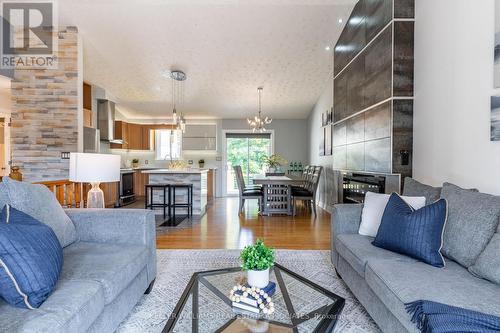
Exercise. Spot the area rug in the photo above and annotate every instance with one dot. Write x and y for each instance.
(175, 268)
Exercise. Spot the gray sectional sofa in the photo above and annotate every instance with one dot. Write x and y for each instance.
(384, 281)
(109, 263)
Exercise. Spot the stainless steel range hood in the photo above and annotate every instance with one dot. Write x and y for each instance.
(106, 120)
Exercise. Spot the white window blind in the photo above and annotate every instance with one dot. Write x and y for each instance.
(168, 144)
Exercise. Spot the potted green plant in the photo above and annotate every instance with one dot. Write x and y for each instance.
(135, 162)
(257, 259)
(273, 162)
(201, 163)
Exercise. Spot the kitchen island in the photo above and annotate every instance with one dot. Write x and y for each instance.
(197, 177)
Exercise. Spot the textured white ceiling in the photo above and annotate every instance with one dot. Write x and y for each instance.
(226, 48)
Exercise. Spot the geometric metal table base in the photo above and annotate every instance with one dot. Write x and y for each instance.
(300, 305)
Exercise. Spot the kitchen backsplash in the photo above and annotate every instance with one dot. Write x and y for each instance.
(147, 159)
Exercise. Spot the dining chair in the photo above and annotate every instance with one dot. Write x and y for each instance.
(306, 176)
(308, 192)
(246, 193)
(239, 175)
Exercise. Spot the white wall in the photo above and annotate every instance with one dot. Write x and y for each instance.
(326, 189)
(454, 81)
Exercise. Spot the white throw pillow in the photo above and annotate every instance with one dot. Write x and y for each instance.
(373, 210)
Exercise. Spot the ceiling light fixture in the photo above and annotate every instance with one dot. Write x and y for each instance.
(257, 123)
(178, 78)
(328, 48)
(340, 20)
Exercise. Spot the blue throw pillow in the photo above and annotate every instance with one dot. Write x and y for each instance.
(31, 259)
(415, 233)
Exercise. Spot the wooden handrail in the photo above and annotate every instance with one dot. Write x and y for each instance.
(67, 193)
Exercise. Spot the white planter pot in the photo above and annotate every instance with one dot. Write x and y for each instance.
(259, 279)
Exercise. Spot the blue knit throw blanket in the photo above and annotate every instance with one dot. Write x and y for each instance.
(432, 317)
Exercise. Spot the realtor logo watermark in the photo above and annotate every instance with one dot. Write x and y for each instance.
(29, 39)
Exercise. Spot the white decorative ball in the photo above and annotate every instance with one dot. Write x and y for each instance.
(239, 287)
(262, 306)
(271, 304)
(265, 310)
(245, 294)
(266, 295)
(262, 292)
(235, 288)
(268, 300)
(242, 288)
(259, 301)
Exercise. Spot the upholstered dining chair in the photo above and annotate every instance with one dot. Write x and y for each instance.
(246, 193)
(307, 193)
(239, 175)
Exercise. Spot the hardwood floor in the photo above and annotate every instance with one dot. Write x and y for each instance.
(222, 228)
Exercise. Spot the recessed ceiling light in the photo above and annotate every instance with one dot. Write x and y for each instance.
(328, 48)
(340, 20)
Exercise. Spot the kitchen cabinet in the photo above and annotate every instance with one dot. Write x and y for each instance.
(211, 181)
(87, 118)
(134, 136)
(140, 180)
(87, 105)
(121, 133)
(146, 137)
(200, 137)
(87, 96)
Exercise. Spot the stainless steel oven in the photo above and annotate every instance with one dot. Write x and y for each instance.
(126, 194)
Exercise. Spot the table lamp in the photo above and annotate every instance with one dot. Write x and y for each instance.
(94, 169)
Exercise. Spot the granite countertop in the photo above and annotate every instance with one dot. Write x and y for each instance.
(168, 171)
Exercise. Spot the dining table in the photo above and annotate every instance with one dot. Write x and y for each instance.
(277, 192)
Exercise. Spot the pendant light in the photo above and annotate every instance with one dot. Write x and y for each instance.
(257, 123)
(178, 77)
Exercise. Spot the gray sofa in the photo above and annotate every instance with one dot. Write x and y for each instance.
(106, 270)
(384, 281)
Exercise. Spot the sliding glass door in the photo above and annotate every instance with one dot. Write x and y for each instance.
(246, 150)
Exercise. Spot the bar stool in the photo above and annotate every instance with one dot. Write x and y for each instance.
(188, 204)
(149, 189)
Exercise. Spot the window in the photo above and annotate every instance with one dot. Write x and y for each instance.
(168, 144)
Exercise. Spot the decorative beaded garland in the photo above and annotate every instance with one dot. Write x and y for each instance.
(266, 305)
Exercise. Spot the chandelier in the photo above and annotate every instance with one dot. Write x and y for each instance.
(257, 123)
(178, 78)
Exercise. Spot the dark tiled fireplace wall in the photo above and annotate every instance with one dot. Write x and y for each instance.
(373, 88)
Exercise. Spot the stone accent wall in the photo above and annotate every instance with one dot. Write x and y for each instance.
(45, 114)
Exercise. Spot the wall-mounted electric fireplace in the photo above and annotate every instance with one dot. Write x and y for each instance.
(355, 185)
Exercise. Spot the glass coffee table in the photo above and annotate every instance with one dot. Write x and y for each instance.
(300, 305)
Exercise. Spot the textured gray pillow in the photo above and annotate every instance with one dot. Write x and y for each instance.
(472, 221)
(413, 188)
(487, 266)
(40, 203)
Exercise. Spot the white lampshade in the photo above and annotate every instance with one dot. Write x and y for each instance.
(94, 168)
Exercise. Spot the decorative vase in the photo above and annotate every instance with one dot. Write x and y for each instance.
(259, 279)
(135, 164)
(16, 174)
(201, 165)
